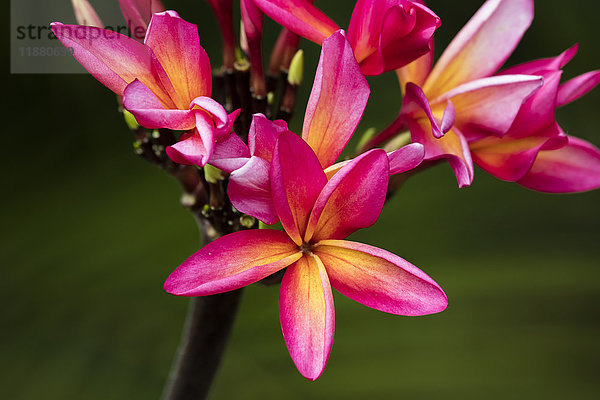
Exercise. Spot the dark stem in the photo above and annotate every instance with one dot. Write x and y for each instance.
(205, 335)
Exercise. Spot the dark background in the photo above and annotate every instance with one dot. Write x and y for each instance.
(90, 232)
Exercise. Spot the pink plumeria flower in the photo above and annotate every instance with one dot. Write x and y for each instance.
(460, 97)
(334, 109)
(385, 34)
(535, 152)
(316, 215)
(165, 82)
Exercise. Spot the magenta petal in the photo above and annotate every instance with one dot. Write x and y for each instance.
(352, 199)
(263, 135)
(415, 102)
(222, 122)
(482, 45)
(490, 105)
(189, 150)
(138, 13)
(232, 262)
(577, 87)
(572, 168)
(249, 190)
(546, 64)
(296, 181)
(300, 17)
(406, 34)
(337, 100)
(150, 113)
(230, 154)
(307, 315)
(406, 158)
(453, 147)
(177, 47)
(114, 59)
(510, 158)
(380, 279)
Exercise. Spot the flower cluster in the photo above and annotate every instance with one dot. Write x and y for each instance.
(463, 109)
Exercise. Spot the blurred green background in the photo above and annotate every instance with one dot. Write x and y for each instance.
(90, 232)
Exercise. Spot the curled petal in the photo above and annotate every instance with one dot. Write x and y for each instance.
(189, 150)
(406, 158)
(232, 262)
(296, 181)
(223, 122)
(307, 315)
(482, 45)
(299, 16)
(150, 113)
(177, 47)
(415, 103)
(337, 100)
(453, 147)
(572, 168)
(405, 35)
(352, 199)
(577, 87)
(417, 71)
(263, 135)
(230, 154)
(380, 279)
(249, 190)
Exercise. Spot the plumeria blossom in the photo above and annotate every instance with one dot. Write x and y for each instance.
(463, 111)
(165, 82)
(385, 34)
(460, 97)
(335, 107)
(535, 152)
(316, 214)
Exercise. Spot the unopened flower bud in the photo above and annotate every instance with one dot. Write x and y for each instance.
(130, 120)
(296, 69)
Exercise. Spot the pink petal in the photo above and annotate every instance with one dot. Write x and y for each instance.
(415, 103)
(537, 112)
(150, 113)
(138, 13)
(189, 150)
(230, 154)
(352, 199)
(406, 158)
(379, 279)
(223, 122)
(510, 158)
(482, 45)
(263, 135)
(177, 47)
(299, 16)
(252, 18)
(114, 59)
(249, 190)
(85, 14)
(336, 102)
(296, 181)
(405, 35)
(490, 105)
(232, 262)
(546, 64)
(573, 168)
(577, 87)
(307, 315)
(453, 147)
